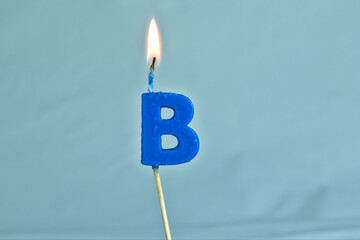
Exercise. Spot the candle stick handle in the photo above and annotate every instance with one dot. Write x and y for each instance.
(162, 202)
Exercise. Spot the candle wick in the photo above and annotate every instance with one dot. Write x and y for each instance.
(152, 67)
(151, 76)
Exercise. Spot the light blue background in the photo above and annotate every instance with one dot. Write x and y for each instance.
(276, 91)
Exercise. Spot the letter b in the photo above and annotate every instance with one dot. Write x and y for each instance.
(153, 127)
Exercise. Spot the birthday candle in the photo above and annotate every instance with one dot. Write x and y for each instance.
(153, 127)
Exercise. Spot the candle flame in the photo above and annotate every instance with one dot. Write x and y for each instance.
(153, 41)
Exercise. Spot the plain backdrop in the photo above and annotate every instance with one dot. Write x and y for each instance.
(276, 91)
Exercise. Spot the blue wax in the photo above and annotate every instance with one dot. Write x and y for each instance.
(153, 127)
(151, 82)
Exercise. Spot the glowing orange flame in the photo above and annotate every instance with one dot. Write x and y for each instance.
(153, 41)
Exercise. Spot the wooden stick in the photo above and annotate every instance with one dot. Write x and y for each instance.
(162, 203)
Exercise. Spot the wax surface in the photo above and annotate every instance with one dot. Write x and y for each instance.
(153, 127)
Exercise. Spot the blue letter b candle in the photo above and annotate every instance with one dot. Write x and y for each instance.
(153, 127)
